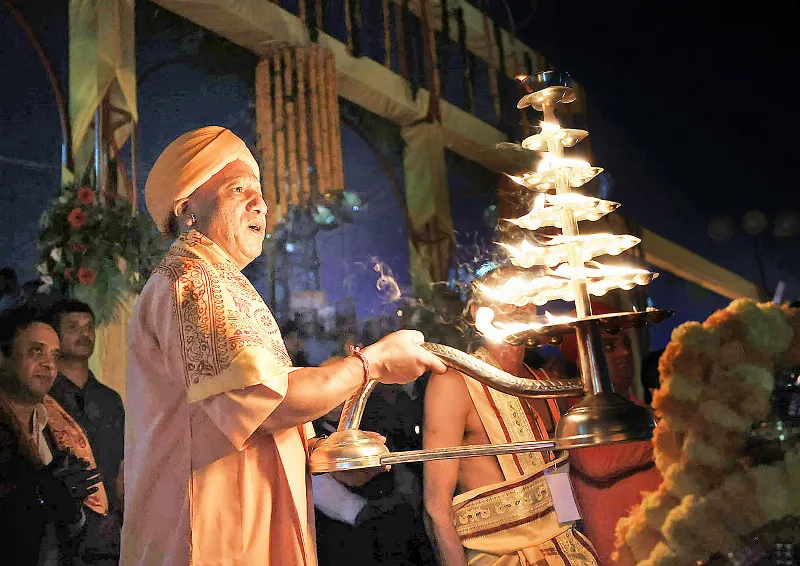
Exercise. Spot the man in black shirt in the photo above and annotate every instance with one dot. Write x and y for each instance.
(98, 409)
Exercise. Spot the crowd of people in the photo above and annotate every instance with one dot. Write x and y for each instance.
(209, 465)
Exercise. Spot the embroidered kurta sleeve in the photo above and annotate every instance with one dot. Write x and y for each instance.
(222, 342)
(225, 335)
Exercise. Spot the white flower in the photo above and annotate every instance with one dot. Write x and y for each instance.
(44, 219)
(42, 268)
(56, 254)
(47, 284)
(63, 199)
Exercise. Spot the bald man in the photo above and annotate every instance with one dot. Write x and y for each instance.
(217, 430)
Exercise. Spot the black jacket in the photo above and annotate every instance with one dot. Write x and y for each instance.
(23, 516)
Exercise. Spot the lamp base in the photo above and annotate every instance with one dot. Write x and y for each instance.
(604, 418)
(349, 449)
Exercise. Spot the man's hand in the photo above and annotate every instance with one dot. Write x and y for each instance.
(399, 357)
(357, 478)
(64, 485)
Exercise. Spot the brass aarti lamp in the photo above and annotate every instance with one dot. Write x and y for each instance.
(565, 269)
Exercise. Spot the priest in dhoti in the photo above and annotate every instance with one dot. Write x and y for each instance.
(495, 510)
(217, 430)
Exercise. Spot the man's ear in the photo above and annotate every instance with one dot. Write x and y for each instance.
(179, 207)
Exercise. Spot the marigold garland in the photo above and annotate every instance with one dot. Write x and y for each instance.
(716, 383)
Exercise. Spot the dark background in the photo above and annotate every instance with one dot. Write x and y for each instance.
(692, 113)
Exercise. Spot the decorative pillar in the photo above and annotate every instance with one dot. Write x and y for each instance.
(428, 199)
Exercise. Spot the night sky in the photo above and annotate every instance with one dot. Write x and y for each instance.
(691, 112)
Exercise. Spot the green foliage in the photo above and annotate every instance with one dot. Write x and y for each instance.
(96, 252)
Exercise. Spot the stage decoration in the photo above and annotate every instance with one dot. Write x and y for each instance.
(99, 253)
(299, 138)
(727, 444)
(102, 94)
(550, 267)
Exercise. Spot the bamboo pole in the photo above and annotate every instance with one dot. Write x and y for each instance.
(387, 35)
(320, 15)
(434, 85)
(487, 31)
(316, 112)
(348, 24)
(301, 60)
(400, 29)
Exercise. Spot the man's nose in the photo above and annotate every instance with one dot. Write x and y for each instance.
(258, 204)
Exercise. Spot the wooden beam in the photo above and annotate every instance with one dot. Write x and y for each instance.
(669, 256)
(259, 25)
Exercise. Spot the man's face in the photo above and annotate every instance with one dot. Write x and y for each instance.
(31, 370)
(231, 211)
(292, 341)
(77, 334)
(620, 360)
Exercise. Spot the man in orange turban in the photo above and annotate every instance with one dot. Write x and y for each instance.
(609, 480)
(217, 428)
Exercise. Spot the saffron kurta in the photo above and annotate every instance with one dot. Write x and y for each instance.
(206, 367)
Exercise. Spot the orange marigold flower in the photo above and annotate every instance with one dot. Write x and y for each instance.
(86, 196)
(76, 217)
(86, 275)
(69, 273)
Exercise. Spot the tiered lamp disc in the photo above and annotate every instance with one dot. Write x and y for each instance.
(564, 267)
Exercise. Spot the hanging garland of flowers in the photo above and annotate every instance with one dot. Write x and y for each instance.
(97, 252)
(715, 499)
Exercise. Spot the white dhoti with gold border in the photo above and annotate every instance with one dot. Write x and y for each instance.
(514, 523)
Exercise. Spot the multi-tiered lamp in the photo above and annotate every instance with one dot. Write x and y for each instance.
(565, 268)
(550, 268)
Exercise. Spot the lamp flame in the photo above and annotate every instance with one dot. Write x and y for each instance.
(557, 249)
(565, 263)
(499, 331)
(547, 209)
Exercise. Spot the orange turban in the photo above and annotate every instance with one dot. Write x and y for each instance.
(569, 345)
(187, 163)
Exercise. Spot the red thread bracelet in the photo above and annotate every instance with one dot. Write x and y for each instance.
(356, 351)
